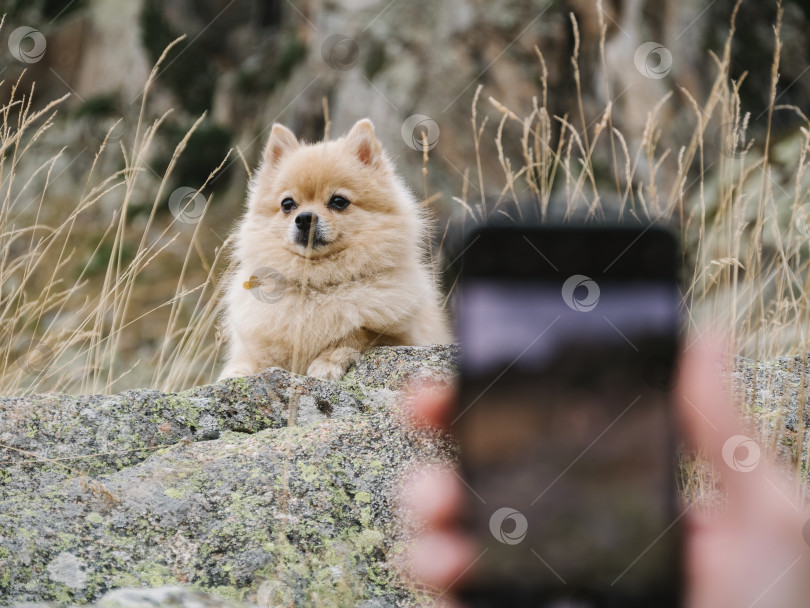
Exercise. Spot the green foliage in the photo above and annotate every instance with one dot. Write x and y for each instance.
(264, 78)
(752, 55)
(206, 149)
(375, 61)
(97, 264)
(189, 71)
(98, 106)
(192, 69)
(50, 10)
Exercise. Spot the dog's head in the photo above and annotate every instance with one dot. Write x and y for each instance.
(332, 199)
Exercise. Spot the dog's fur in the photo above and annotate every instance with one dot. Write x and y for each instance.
(358, 278)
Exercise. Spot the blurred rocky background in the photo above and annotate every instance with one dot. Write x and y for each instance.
(248, 63)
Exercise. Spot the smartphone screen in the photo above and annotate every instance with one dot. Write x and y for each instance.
(569, 341)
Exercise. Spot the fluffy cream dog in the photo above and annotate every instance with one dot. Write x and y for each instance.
(329, 260)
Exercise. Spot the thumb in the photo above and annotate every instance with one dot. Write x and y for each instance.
(704, 405)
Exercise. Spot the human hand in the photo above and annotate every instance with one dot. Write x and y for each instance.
(751, 553)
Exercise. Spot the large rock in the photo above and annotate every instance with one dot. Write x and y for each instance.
(212, 487)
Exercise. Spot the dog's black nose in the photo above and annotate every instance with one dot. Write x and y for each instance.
(304, 220)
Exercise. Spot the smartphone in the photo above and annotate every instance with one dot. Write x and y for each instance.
(569, 343)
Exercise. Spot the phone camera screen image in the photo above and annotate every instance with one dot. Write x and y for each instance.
(569, 343)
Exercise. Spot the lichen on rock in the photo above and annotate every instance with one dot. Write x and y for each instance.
(211, 488)
(209, 498)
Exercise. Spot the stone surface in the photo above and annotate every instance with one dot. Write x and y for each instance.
(211, 498)
(214, 489)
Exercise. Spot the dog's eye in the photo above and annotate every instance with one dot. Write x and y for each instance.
(338, 202)
(287, 205)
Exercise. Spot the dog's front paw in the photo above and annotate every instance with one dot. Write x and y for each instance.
(235, 372)
(326, 369)
(332, 365)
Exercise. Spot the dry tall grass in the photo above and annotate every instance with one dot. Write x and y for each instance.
(62, 335)
(745, 233)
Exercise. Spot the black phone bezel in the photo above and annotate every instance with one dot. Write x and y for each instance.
(616, 252)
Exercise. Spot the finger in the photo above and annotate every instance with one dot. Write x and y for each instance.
(431, 405)
(435, 498)
(440, 559)
(709, 571)
(712, 424)
(705, 409)
(746, 553)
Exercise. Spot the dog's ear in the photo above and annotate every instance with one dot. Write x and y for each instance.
(364, 143)
(281, 141)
